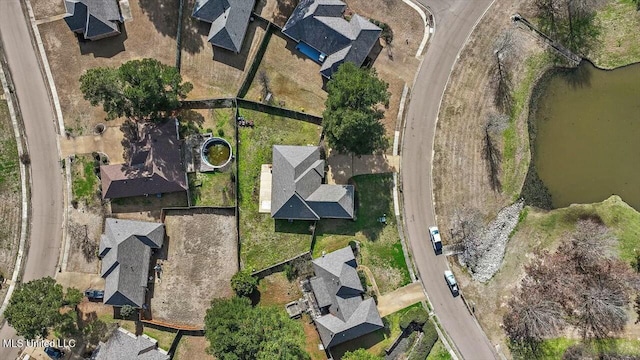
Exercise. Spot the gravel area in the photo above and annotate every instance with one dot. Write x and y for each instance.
(484, 257)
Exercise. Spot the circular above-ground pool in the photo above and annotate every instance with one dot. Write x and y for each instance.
(216, 152)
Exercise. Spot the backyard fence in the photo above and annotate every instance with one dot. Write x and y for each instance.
(217, 103)
(179, 37)
(220, 210)
(278, 111)
(257, 59)
(280, 266)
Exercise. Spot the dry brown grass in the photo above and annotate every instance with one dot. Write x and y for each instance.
(460, 174)
(276, 290)
(192, 347)
(84, 230)
(295, 80)
(198, 259)
(215, 72)
(151, 34)
(45, 8)
(146, 208)
(277, 11)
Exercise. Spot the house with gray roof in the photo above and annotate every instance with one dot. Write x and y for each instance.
(326, 37)
(94, 19)
(229, 20)
(124, 345)
(155, 165)
(344, 313)
(125, 249)
(297, 191)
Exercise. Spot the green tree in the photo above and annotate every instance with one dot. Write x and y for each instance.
(353, 111)
(141, 89)
(34, 307)
(243, 283)
(126, 311)
(73, 297)
(238, 331)
(360, 354)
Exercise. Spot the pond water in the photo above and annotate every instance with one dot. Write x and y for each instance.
(217, 153)
(587, 145)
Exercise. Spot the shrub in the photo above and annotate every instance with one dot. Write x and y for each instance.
(220, 132)
(127, 311)
(363, 279)
(290, 272)
(429, 338)
(387, 33)
(243, 283)
(416, 315)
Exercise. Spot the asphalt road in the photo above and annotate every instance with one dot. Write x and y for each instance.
(454, 20)
(40, 129)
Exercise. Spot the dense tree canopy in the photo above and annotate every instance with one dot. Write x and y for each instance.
(141, 89)
(34, 307)
(243, 283)
(238, 331)
(353, 111)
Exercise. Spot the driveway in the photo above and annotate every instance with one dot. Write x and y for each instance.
(46, 173)
(400, 298)
(454, 20)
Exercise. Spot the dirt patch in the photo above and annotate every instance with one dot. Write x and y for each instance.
(295, 80)
(199, 257)
(151, 34)
(192, 347)
(460, 173)
(312, 339)
(84, 229)
(45, 8)
(215, 72)
(277, 11)
(276, 290)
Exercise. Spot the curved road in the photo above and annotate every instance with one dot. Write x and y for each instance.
(454, 21)
(40, 130)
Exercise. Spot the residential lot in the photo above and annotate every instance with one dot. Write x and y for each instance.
(215, 72)
(380, 247)
(151, 34)
(192, 347)
(10, 198)
(45, 8)
(277, 11)
(264, 241)
(199, 257)
(146, 208)
(294, 79)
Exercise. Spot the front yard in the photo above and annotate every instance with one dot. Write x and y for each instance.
(380, 247)
(265, 241)
(146, 36)
(85, 183)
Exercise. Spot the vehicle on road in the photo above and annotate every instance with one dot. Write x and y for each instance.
(54, 353)
(94, 295)
(434, 234)
(451, 282)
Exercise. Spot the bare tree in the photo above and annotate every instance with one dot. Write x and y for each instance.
(531, 318)
(590, 243)
(265, 83)
(603, 310)
(501, 74)
(495, 126)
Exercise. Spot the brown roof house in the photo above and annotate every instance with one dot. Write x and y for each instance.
(155, 165)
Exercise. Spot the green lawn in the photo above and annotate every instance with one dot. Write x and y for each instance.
(84, 180)
(555, 348)
(619, 42)
(264, 241)
(212, 189)
(439, 352)
(380, 244)
(9, 169)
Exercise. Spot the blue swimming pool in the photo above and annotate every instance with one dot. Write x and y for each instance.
(310, 52)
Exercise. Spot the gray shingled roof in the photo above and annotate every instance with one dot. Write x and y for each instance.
(338, 292)
(297, 191)
(155, 166)
(126, 346)
(93, 18)
(319, 24)
(229, 20)
(125, 250)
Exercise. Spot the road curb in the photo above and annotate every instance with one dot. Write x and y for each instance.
(25, 198)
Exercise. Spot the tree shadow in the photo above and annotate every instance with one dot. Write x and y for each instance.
(194, 32)
(578, 77)
(162, 14)
(294, 227)
(104, 48)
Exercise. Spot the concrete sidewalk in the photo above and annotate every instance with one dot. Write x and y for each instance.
(400, 299)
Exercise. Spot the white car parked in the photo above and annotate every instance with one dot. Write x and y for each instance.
(434, 234)
(451, 282)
